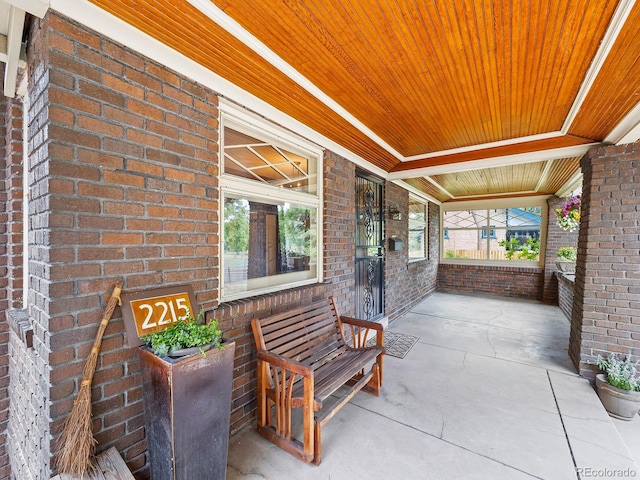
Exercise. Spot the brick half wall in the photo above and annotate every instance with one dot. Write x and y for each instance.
(493, 280)
(566, 284)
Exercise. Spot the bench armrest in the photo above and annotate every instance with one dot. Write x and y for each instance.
(360, 335)
(362, 323)
(285, 363)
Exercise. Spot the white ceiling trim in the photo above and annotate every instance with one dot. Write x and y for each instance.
(529, 157)
(34, 7)
(499, 143)
(617, 22)
(489, 195)
(218, 15)
(13, 48)
(438, 186)
(416, 192)
(86, 13)
(545, 174)
(571, 185)
(628, 130)
(527, 201)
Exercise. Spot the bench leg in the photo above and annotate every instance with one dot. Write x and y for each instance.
(277, 427)
(374, 385)
(317, 443)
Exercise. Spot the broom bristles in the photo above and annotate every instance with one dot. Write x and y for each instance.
(75, 455)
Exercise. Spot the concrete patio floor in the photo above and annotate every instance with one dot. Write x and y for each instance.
(488, 392)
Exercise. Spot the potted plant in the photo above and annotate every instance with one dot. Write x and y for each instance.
(619, 387)
(566, 259)
(187, 372)
(185, 337)
(568, 217)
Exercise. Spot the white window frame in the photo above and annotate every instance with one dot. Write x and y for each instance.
(515, 202)
(237, 186)
(423, 201)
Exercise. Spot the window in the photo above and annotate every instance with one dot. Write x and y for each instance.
(417, 228)
(270, 206)
(492, 232)
(502, 233)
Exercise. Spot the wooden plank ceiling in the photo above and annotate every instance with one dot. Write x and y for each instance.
(461, 100)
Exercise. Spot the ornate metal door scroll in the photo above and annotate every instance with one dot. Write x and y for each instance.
(369, 247)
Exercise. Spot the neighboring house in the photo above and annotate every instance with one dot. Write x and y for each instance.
(480, 234)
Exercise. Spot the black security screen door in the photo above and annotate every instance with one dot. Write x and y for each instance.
(369, 247)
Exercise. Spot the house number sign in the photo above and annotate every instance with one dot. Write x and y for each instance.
(154, 310)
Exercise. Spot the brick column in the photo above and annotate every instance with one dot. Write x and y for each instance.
(556, 238)
(606, 305)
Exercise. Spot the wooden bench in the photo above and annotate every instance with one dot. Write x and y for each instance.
(305, 356)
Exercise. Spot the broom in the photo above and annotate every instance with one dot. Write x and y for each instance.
(77, 439)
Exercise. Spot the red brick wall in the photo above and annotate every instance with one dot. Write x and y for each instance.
(13, 245)
(406, 283)
(565, 293)
(606, 305)
(124, 189)
(556, 238)
(8, 190)
(493, 280)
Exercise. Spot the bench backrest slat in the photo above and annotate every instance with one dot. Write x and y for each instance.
(309, 334)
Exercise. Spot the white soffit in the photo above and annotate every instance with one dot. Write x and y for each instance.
(12, 52)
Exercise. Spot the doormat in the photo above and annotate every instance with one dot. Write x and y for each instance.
(396, 344)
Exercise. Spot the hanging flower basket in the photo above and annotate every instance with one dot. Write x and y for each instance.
(568, 216)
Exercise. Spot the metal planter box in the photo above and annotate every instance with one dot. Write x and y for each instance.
(187, 410)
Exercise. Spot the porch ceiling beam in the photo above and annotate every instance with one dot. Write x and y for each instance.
(529, 157)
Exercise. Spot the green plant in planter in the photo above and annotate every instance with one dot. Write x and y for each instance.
(566, 254)
(620, 373)
(186, 332)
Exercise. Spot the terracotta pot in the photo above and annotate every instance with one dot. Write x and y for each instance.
(621, 404)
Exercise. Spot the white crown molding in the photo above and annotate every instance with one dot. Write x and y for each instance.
(473, 148)
(528, 201)
(538, 156)
(628, 130)
(416, 192)
(544, 174)
(617, 22)
(438, 186)
(484, 196)
(218, 15)
(571, 185)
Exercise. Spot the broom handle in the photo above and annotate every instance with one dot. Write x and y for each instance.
(87, 374)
